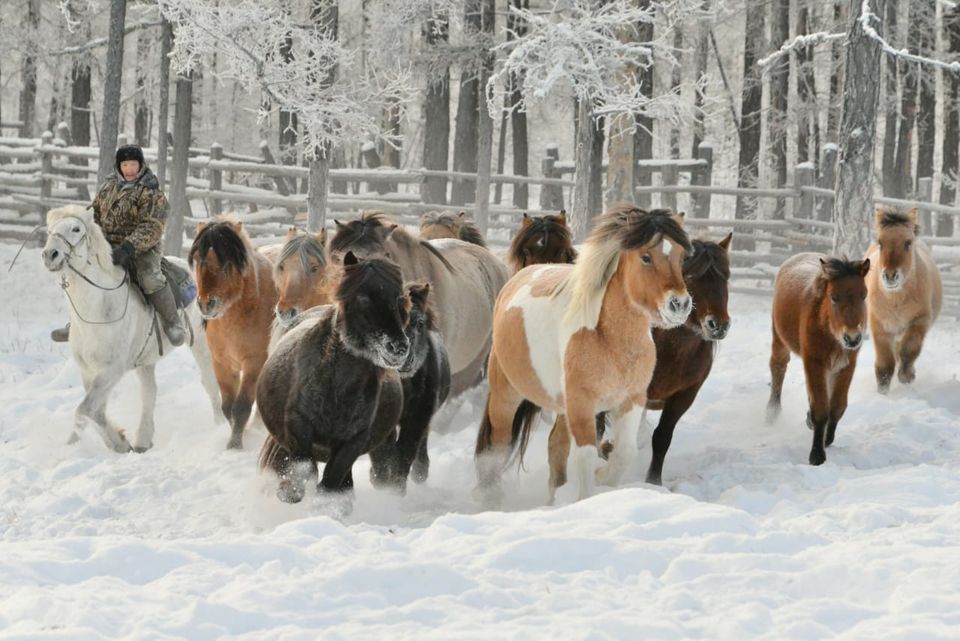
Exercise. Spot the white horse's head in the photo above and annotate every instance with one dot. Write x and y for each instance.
(72, 235)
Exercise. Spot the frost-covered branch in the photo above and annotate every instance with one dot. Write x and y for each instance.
(800, 42)
(593, 50)
(867, 18)
(321, 81)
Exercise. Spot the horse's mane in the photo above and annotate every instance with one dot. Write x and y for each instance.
(99, 245)
(621, 229)
(231, 246)
(467, 231)
(366, 272)
(706, 256)
(362, 233)
(305, 246)
(548, 225)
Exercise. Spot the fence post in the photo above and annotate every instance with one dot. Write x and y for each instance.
(828, 180)
(46, 168)
(216, 180)
(551, 196)
(925, 194)
(703, 177)
(806, 176)
(668, 178)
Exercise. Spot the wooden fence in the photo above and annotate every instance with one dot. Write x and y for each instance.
(36, 174)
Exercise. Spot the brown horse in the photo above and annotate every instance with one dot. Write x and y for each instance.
(303, 275)
(819, 312)
(236, 296)
(904, 297)
(541, 239)
(684, 357)
(465, 280)
(443, 224)
(576, 339)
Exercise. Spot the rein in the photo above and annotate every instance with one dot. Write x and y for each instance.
(65, 285)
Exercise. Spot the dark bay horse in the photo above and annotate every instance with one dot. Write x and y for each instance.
(330, 390)
(820, 313)
(435, 225)
(684, 357)
(541, 239)
(464, 278)
(236, 296)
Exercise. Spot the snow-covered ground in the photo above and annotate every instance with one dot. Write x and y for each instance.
(746, 541)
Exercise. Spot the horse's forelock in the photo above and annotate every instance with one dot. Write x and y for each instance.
(305, 246)
(837, 268)
(706, 256)
(375, 273)
(537, 226)
(228, 245)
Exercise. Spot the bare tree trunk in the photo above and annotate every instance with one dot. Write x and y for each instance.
(326, 16)
(518, 117)
(166, 44)
(927, 112)
(910, 72)
(891, 106)
(28, 70)
(836, 74)
(777, 119)
(485, 128)
(598, 128)
(141, 112)
(80, 102)
(436, 110)
(676, 79)
(700, 62)
(853, 207)
(179, 204)
(750, 114)
(951, 126)
(583, 162)
(111, 89)
(808, 125)
(465, 136)
(643, 138)
(391, 153)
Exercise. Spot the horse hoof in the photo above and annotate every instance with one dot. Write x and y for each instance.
(906, 377)
(235, 443)
(289, 493)
(655, 479)
(606, 447)
(74, 438)
(773, 413)
(140, 449)
(817, 457)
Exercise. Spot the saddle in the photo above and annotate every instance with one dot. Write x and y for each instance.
(179, 280)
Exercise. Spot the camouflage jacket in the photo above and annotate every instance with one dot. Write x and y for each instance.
(133, 211)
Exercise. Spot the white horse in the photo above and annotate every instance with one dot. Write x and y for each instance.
(112, 328)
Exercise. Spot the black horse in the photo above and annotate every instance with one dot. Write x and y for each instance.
(330, 391)
(426, 384)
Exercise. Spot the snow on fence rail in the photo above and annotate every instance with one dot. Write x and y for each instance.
(39, 173)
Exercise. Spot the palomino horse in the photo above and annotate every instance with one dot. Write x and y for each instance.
(575, 339)
(435, 225)
(684, 357)
(236, 295)
(330, 391)
(112, 328)
(904, 295)
(541, 239)
(303, 274)
(465, 280)
(820, 313)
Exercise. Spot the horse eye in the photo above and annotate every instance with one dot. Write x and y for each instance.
(76, 229)
(834, 298)
(646, 259)
(907, 244)
(280, 268)
(879, 245)
(314, 269)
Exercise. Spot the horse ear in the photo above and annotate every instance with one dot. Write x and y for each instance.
(725, 243)
(563, 216)
(201, 227)
(912, 215)
(418, 292)
(878, 215)
(462, 214)
(338, 224)
(350, 259)
(322, 236)
(291, 233)
(679, 217)
(390, 229)
(865, 267)
(526, 221)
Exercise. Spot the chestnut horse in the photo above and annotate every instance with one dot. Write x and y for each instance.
(684, 357)
(303, 274)
(464, 279)
(576, 339)
(541, 239)
(820, 313)
(236, 296)
(443, 224)
(904, 296)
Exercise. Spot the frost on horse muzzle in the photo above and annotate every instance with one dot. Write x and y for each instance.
(675, 309)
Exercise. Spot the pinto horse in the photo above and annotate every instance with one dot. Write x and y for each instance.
(464, 278)
(904, 295)
(443, 224)
(303, 274)
(820, 313)
(330, 390)
(236, 296)
(541, 239)
(576, 339)
(684, 357)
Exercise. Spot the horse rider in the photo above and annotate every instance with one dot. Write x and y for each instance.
(131, 209)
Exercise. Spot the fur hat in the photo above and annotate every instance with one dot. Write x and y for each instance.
(130, 152)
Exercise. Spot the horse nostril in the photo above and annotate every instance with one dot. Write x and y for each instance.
(712, 324)
(852, 340)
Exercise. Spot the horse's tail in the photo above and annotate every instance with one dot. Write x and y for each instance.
(523, 420)
(271, 454)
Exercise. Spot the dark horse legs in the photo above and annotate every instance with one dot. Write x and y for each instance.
(337, 474)
(673, 409)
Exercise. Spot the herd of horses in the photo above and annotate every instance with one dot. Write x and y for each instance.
(349, 344)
